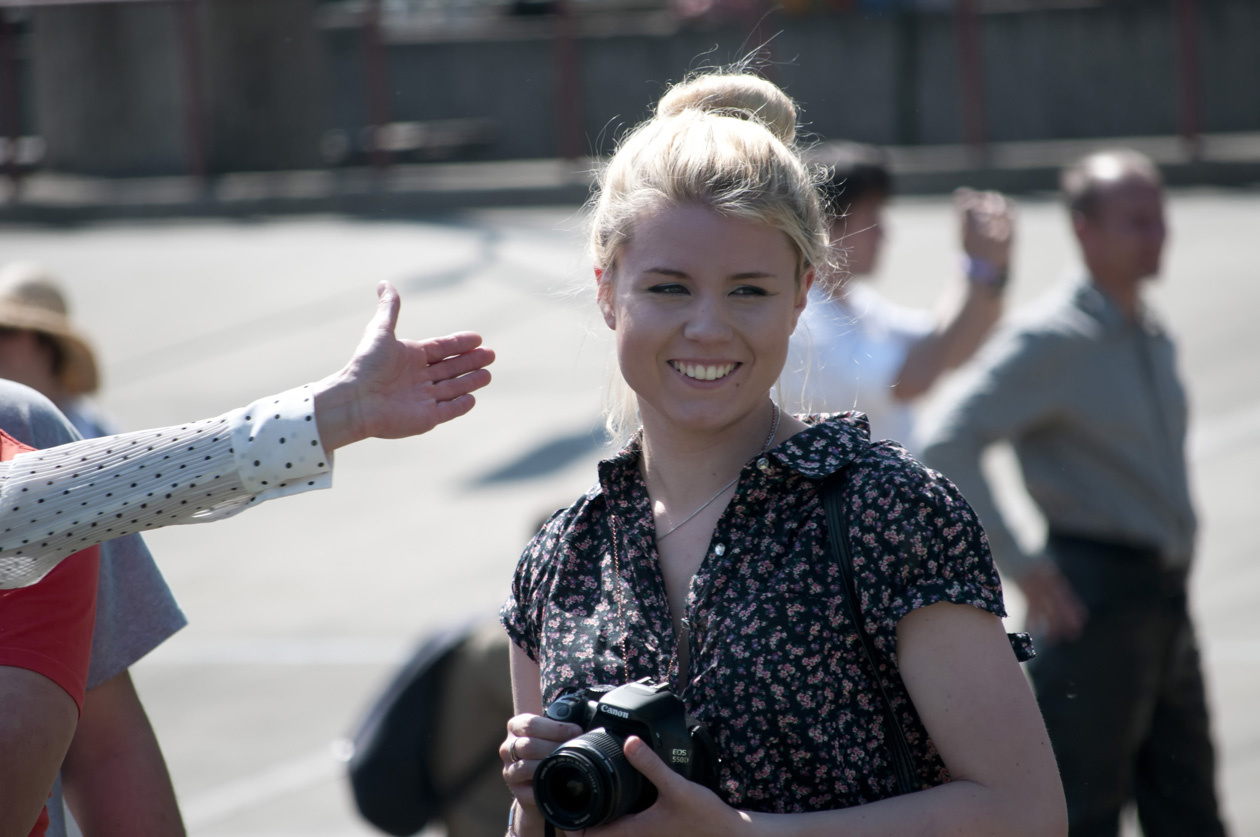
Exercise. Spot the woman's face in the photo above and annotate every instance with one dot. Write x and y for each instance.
(702, 305)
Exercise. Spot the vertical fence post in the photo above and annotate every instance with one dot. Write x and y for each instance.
(11, 109)
(193, 100)
(1189, 81)
(376, 82)
(567, 87)
(971, 77)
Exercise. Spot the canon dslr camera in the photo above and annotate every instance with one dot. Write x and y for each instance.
(588, 781)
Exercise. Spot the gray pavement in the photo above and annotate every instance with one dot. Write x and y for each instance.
(300, 609)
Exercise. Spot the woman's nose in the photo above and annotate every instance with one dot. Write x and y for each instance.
(708, 321)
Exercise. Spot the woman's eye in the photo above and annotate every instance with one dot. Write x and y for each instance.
(668, 289)
(750, 290)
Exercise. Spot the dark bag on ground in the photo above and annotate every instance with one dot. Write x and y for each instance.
(391, 765)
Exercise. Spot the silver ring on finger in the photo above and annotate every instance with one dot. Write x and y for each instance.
(512, 749)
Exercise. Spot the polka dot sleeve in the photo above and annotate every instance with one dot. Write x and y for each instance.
(57, 501)
(277, 446)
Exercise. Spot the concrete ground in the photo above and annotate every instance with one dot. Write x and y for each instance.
(301, 609)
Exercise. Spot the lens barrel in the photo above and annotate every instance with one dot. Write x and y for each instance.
(587, 782)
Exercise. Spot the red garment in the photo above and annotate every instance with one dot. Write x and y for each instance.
(47, 627)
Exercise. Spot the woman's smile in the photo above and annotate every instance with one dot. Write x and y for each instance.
(701, 371)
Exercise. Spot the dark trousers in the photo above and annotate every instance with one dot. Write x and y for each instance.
(1124, 704)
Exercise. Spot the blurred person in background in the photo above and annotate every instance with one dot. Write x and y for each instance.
(113, 775)
(856, 350)
(42, 348)
(1085, 387)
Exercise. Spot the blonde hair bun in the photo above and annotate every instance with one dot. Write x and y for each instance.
(735, 93)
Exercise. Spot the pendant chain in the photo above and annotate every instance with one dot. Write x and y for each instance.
(774, 429)
(616, 556)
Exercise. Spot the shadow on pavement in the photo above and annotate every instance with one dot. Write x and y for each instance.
(546, 458)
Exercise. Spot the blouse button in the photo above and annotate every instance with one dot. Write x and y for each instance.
(719, 550)
(763, 464)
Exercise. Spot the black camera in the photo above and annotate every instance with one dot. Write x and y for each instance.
(588, 781)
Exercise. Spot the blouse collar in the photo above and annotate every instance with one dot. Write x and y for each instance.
(829, 443)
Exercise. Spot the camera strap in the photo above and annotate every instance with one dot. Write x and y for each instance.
(837, 536)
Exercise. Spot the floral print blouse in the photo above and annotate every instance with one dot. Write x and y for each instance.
(776, 669)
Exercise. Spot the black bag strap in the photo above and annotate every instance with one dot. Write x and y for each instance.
(894, 735)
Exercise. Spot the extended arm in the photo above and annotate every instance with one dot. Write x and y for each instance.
(114, 777)
(988, 227)
(59, 500)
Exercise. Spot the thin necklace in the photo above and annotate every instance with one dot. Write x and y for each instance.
(774, 428)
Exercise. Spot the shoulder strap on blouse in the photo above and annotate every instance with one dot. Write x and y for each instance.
(837, 537)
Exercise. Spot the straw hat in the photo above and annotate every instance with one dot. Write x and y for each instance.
(31, 301)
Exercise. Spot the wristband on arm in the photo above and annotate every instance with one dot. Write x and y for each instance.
(983, 272)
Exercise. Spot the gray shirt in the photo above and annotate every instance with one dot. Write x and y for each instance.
(1095, 411)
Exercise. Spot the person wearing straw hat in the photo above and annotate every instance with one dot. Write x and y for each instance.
(41, 347)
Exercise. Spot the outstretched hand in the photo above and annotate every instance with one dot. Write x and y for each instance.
(393, 388)
(682, 808)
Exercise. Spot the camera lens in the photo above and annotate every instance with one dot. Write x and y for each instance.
(588, 782)
(570, 790)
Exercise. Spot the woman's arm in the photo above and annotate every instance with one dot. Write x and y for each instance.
(975, 703)
(35, 730)
(114, 777)
(530, 738)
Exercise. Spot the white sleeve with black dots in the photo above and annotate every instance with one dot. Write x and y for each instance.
(277, 447)
(58, 501)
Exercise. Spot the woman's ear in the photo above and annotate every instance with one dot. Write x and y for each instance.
(603, 297)
(802, 295)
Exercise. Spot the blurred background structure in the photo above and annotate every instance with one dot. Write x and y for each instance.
(208, 88)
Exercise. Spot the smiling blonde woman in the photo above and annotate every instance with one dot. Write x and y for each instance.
(700, 560)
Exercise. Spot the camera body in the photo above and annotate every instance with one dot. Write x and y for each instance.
(587, 781)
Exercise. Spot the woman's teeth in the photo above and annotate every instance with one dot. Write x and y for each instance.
(701, 372)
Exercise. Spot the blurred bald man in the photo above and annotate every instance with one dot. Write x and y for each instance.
(1085, 388)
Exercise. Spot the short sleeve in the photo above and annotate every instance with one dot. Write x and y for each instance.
(960, 568)
(135, 609)
(918, 531)
(522, 612)
(520, 615)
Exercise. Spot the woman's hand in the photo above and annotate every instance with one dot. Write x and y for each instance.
(530, 739)
(682, 808)
(393, 388)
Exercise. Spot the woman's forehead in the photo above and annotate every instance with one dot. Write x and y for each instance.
(697, 231)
